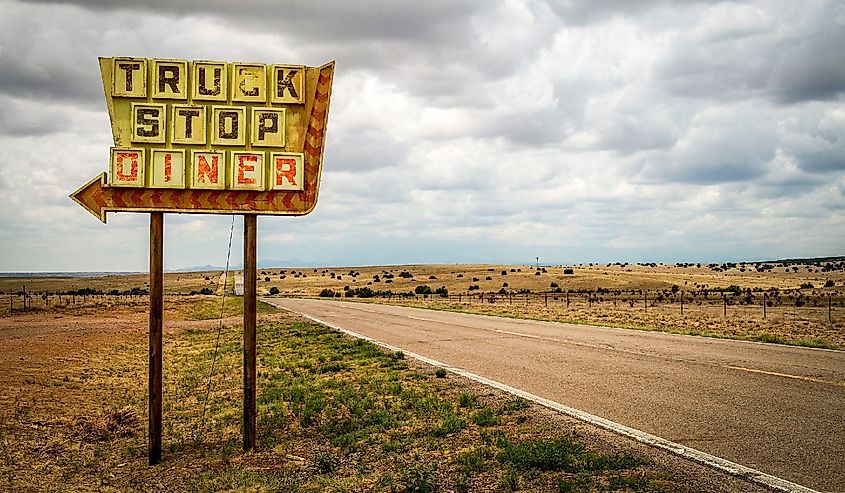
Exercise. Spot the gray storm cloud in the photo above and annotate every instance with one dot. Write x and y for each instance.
(485, 131)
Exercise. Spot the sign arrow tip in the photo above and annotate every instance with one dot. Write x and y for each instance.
(87, 196)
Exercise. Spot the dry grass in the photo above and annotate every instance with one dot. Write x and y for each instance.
(784, 322)
(335, 414)
(783, 325)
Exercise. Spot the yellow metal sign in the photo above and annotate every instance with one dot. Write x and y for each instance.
(215, 137)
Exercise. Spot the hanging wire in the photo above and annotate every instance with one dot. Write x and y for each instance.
(219, 329)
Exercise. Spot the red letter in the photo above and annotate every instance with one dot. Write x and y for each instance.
(207, 170)
(167, 163)
(243, 167)
(133, 167)
(289, 173)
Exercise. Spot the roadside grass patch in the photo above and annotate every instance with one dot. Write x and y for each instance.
(210, 308)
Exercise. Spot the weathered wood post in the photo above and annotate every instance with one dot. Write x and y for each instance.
(250, 227)
(156, 313)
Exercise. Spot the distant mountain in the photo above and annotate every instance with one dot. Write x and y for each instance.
(262, 264)
(199, 268)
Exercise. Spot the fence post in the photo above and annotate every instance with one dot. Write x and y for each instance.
(829, 306)
(645, 300)
(765, 299)
(567, 298)
(510, 298)
(682, 302)
(725, 304)
(590, 300)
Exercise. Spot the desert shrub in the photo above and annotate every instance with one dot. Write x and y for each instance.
(326, 293)
(422, 289)
(488, 278)
(475, 279)
(553, 285)
(364, 292)
(568, 271)
(504, 272)
(442, 291)
(829, 283)
(274, 290)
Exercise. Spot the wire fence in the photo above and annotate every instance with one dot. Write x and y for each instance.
(29, 301)
(797, 304)
(766, 305)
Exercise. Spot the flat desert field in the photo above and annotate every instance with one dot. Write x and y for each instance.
(787, 302)
(336, 414)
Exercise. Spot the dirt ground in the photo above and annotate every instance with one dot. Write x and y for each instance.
(72, 417)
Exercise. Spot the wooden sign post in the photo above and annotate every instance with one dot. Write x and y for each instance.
(250, 274)
(156, 322)
(215, 138)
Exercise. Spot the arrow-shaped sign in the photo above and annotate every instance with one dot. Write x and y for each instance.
(98, 197)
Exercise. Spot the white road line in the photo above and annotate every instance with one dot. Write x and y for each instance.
(786, 375)
(361, 309)
(527, 336)
(725, 465)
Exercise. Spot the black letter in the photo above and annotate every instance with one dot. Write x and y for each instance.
(263, 128)
(245, 72)
(172, 81)
(221, 124)
(203, 89)
(141, 120)
(189, 119)
(128, 68)
(285, 82)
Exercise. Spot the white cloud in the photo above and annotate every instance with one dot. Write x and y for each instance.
(615, 130)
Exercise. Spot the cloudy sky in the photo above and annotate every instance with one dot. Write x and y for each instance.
(476, 131)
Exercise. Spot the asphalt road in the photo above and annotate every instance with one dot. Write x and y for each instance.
(774, 408)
